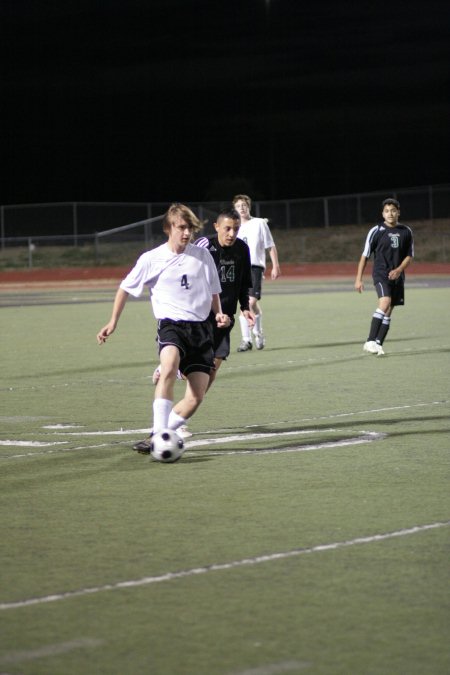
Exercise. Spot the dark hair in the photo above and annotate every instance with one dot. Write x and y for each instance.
(229, 212)
(392, 201)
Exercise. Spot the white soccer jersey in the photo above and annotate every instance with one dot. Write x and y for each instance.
(180, 285)
(256, 234)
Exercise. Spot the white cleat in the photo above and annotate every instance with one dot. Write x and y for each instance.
(380, 351)
(371, 347)
(260, 340)
(184, 432)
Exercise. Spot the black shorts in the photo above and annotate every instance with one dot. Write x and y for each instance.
(395, 290)
(194, 340)
(222, 340)
(257, 277)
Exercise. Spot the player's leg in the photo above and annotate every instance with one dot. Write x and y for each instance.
(257, 279)
(246, 342)
(196, 387)
(384, 329)
(371, 346)
(164, 394)
(397, 297)
(213, 373)
(260, 340)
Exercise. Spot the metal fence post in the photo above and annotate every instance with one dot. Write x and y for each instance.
(31, 248)
(2, 225)
(75, 223)
(96, 251)
(326, 214)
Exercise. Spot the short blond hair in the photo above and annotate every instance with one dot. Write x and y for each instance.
(244, 198)
(184, 212)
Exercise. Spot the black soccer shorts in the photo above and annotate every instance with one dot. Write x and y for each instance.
(194, 340)
(395, 290)
(257, 277)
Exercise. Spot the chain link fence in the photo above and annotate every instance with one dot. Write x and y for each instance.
(93, 233)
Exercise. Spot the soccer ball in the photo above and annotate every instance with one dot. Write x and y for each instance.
(167, 446)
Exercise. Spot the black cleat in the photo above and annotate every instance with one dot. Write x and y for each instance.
(145, 446)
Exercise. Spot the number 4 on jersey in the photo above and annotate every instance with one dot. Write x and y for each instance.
(184, 282)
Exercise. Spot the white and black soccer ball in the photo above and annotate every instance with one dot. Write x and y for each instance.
(166, 446)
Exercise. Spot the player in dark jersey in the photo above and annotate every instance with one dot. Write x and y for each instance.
(232, 259)
(392, 245)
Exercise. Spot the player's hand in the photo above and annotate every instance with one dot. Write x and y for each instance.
(394, 274)
(251, 318)
(223, 320)
(276, 272)
(359, 286)
(104, 333)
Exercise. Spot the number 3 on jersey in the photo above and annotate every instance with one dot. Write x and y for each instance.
(184, 282)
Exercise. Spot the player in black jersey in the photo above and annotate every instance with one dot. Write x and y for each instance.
(232, 259)
(392, 246)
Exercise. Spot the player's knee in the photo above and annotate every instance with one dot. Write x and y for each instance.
(168, 372)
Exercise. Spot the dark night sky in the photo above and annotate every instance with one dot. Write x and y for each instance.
(172, 99)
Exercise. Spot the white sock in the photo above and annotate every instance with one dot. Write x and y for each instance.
(257, 328)
(161, 412)
(245, 328)
(175, 420)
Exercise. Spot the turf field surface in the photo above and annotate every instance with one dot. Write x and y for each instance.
(305, 530)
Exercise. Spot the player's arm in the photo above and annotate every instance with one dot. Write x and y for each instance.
(119, 304)
(276, 270)
(359, 286)
(398, 271)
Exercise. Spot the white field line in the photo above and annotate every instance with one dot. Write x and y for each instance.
(49, 650)
(362, 437)
(32, 444)
(367, 437)
(132, 432)
(221, 567)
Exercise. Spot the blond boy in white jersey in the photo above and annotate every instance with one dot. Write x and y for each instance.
(184, 289)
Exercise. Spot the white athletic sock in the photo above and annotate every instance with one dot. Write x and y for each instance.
(175, 420)
(245, 328)
(257, 328)
(161, 412)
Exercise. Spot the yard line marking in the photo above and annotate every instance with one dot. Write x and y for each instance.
(33, 444)
(220, 567)
(364, 437)
(275, 668)
(49, 650)
(326, 445)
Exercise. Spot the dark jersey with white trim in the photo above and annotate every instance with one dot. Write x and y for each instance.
(390, 246)
(233, 266)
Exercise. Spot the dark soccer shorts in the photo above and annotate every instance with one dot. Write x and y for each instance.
(194, 340)
(395, 290)
(222, 340)
(257, 277)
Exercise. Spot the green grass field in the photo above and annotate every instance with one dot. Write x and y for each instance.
(305, 530)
